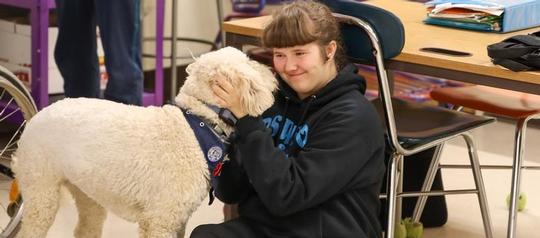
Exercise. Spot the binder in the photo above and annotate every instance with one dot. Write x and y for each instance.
(516, 14)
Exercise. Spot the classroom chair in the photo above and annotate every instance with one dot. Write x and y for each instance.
(521, 107)
(372, 35)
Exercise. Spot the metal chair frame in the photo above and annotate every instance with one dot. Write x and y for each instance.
(519, 143)
(517, 167)
(395, 167)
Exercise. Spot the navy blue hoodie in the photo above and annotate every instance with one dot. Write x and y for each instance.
(309, 168)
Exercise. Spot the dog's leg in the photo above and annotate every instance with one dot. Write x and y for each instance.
(91, 214)
(143, 229)
(180, 233)
(159, 228)
(41, 200)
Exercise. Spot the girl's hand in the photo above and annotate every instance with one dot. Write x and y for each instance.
(227, 96)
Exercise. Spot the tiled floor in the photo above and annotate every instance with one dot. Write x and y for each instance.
(495, 143)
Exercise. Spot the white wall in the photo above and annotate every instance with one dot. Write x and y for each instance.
(196, 19)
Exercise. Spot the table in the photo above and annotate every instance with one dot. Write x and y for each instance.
(39, 20)
(476, 69)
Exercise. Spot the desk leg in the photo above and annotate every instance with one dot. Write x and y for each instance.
(390, 74)
(174, 39)
(158, 80)
(219, 6)
(39, 14)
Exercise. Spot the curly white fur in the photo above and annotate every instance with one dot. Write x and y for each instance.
(143, 164)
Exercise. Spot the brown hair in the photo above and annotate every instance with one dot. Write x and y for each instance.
(303, 22)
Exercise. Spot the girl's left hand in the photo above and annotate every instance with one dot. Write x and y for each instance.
(227, 96)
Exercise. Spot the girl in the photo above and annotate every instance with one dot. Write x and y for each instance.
(312, 165)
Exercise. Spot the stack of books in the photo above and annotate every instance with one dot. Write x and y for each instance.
(484, 15)
(467, 14)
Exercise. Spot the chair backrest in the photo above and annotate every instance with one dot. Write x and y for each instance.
(387, 26)
(371, 34)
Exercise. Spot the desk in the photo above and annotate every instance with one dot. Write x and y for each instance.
(476, 69)
(39, 20)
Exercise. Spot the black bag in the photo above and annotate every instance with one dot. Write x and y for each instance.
(517, 53)
(415, 168)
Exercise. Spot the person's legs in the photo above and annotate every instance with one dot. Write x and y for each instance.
(120, 31)
(236, 228)
(75, 52)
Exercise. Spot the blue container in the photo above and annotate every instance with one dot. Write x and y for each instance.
(248, 6)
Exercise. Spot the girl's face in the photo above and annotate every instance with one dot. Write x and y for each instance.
(304, 68)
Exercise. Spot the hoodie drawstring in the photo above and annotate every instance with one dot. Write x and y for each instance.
(308, 104)
(302, 119)
(281, 125)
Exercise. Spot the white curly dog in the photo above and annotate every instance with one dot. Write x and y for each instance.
(143, 164)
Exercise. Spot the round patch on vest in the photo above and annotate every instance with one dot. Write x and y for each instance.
(214, 153)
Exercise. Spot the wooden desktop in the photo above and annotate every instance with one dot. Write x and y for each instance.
(476, 68)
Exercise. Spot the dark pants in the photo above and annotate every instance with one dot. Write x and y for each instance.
(236, 228)
(76, 55)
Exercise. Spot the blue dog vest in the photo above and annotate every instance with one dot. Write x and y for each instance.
(212, 145)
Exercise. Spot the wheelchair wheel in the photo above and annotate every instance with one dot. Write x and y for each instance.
(16, 107)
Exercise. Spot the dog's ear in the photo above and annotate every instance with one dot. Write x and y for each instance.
(257, 88)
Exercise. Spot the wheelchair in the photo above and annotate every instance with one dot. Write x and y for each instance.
(16, 108)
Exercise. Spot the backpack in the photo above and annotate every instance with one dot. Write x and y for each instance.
(517, 53)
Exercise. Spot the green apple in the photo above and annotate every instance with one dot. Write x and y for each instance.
(522, 201)
(400, 231)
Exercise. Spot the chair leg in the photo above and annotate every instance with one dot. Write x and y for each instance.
(479, 182)
(399, 190)
(516, 177)
(428, 182)
(391, 192)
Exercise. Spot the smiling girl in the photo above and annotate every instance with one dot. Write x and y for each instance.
(311, 166)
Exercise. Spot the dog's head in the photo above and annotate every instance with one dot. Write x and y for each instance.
(254, 80)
